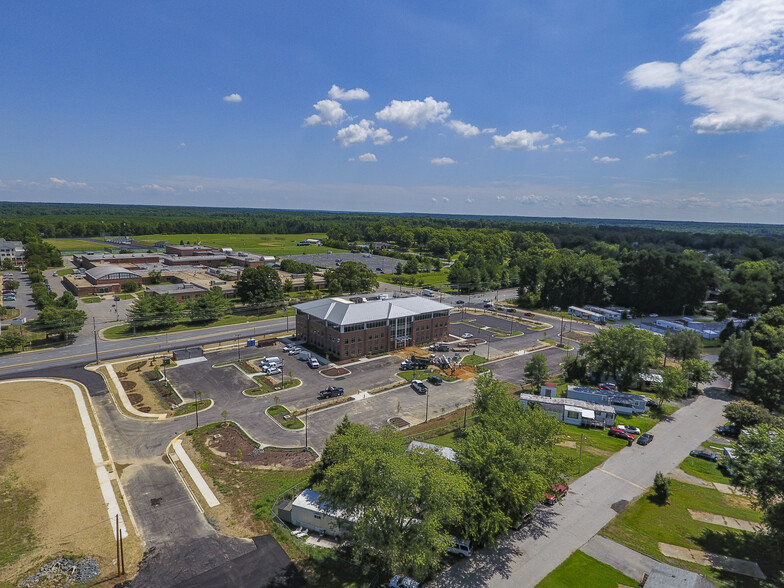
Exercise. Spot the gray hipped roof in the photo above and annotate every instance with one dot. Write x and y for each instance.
(344, 312)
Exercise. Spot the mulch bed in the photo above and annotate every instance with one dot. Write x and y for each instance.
(335, 372)
(399, 422)
(128, 385)
(230, 440)
(135, 398)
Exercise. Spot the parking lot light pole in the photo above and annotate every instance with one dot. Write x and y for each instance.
(196, 398)
(427, 402)
(306, 429)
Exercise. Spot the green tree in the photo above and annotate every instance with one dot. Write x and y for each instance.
(697, 371)
(154, 310)
(397, 500)
(756, 469)
(723, 312)
(750, 288)
(209, 306)
(352, 276)
(261, 286)
(673, 385)
(8, 264)
(155, 277)
(683, 345)
(399, 269)
(736, 359)
(411, 266)
(766, 384)
(623, 353)
(11, 285)
(129, 287)
(536, 371)
(62, 321)
(67, 300)
(744, 414)
(11, 340)
(309, 283)
(661, 488)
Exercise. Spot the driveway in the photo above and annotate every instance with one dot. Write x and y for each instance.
(593, 500)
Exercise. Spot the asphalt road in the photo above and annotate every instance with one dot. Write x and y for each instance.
(594, 499)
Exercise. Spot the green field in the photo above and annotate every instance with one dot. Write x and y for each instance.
(582, 570)
(79, 245)
(645, 523)
(262, 244)
(439, 279)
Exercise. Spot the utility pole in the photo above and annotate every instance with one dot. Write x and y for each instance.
(561, 341)
(196, 398)
(306, 429)
(427, 402)
(95, 339)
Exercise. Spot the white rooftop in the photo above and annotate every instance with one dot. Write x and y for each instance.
(566, 402)
(445, 452)
(341, 311)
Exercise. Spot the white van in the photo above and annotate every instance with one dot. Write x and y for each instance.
(271, 361)
(462, 547)
(304, 356)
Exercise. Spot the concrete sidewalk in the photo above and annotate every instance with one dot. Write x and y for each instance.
(627, 561)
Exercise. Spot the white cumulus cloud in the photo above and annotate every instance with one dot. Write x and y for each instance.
(66, 184)
(598, 136)
(415, 113)
(522, 140)
(338, 93)
(232, 98)
(330, 113)
(530, 199)
(361, 132)
(463, 128)
(367, 158)
(558, 141)
(151, 188)
(442, 161)
(736, 75)
(605, 159)
(640, 131)
(660, 155)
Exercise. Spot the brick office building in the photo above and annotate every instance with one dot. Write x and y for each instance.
(343, 328)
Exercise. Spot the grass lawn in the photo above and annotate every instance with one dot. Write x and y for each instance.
(596, 439)
(409, 375)
(704, 469)
(473, 360)
(191, 407)
(80, 245)
(254, 243)
(424, 279)
(645, 523)
(280, 414)
(90, 299)
(126, 296)
(64, 272)
(583, 570)
(126, 332)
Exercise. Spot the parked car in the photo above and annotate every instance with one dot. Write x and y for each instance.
(403, 582)
(466, 335)
(460, 302)
(621, 434)
(556, 493)
(295, 350)
(650, 403)
(629, 429)
(272, 371)
(486, 300)
(331, 392)
(510, 309)
(704, 454)
(653, 315)
(609, 386)
(529, 314)
(419, 386)
(462, 547)
(116, 298)
(313, 363)
(488, 305)
(728, 430)
(435, 380)
(645, 438)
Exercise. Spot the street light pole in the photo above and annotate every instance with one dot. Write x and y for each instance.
(306, 429)
(95, 339)
(427, 402)
(196, 398)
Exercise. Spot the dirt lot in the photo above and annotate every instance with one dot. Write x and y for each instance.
(54, 463)
(228, 441)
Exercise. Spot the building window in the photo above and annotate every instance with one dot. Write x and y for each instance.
(316, 515)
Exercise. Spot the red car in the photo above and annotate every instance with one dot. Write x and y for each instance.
(556, 493)
(621, 434)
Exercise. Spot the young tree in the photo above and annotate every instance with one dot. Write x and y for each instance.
(744, 414)
(736, 359)
(661, 488)
(11, 340)
(11, 285)
(624, 353)
(309, 283)
(697, 371)
(260, 285)
(536, 371)
(672, 386)
(683, 345)
(397, 499)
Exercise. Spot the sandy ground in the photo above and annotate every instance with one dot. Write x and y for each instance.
(55, 462)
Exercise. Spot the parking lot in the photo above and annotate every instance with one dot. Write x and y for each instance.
(329, 260)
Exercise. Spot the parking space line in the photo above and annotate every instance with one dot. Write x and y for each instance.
(616, 476)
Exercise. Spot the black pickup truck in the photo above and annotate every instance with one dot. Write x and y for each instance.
(331, 392)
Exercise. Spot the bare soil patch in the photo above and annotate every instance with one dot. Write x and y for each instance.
(580, 336)
(135, 399)
(335, 372)
(228, 441)
(399, 422)
(54, 462)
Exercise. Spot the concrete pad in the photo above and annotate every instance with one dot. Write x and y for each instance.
(681, 476)
(726, 488)
(714, 560)
(191, 360)
(624, 559)
(195, 474)
(731, 522)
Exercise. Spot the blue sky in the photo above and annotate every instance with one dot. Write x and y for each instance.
(614, 109)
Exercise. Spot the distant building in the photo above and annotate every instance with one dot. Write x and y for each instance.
(586, 314)
(309, 511)
(188, 250)
(100, 279)
(13, 250)
(607, 313)
(343, 328)
(180, 292)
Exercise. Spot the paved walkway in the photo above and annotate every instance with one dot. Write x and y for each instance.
(681, 476)
(627, 561)
(731, 522)
(722, 562)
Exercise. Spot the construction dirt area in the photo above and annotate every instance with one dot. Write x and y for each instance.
(228, 442)
(49, 486)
